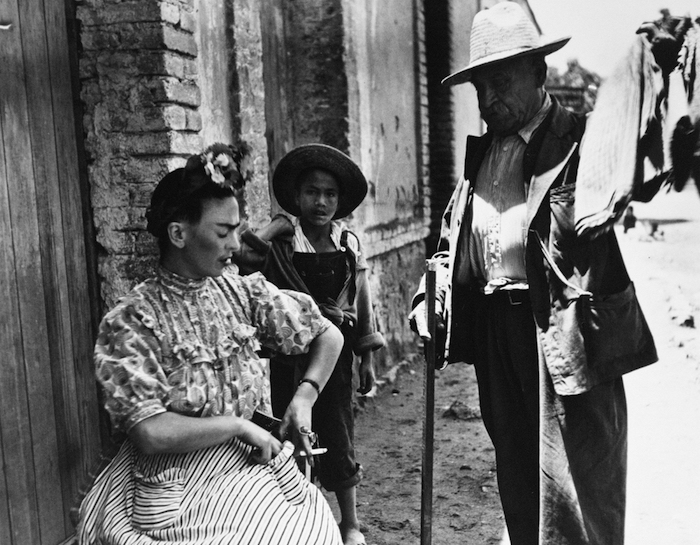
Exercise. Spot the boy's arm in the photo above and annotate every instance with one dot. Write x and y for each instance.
(255, 245)
(368, 338)
(366, 373)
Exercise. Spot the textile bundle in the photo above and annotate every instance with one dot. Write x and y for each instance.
(690, 61)
(610, 167)
(644, 129)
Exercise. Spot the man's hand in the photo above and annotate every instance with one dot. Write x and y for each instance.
(418, 321)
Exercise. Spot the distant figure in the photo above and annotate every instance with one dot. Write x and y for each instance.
(629, 220)
(653, 228)
(654, 231)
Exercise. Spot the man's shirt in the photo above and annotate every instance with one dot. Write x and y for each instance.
(499, 223)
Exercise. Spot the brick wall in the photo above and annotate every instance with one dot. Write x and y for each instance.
(142, 83)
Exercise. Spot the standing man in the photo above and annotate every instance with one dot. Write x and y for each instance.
(549, 320)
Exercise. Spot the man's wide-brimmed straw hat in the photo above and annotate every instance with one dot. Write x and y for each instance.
(502, 32)
(351, 182)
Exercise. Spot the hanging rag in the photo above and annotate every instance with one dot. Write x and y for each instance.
(623, 129)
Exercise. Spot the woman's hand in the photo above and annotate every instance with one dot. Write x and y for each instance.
(296, 422)
(323, 355)
(266, 445)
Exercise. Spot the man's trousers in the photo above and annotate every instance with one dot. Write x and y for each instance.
(561, 460)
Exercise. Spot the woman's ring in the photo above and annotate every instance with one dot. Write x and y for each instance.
(308, 433)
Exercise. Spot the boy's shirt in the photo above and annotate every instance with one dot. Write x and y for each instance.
(302, 245)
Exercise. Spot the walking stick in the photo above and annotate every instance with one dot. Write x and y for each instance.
(426, 518)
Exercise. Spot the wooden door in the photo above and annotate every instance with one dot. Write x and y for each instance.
(48, 418)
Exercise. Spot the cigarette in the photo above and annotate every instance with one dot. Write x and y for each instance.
(314, 452)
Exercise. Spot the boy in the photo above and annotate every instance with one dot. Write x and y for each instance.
(315, 254)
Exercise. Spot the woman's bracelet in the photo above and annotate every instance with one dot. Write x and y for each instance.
(313, 383)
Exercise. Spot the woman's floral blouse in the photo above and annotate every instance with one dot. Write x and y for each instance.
(189, 346)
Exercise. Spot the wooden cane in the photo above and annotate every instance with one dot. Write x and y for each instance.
(426, 519)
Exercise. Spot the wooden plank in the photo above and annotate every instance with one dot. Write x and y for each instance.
(11, 351)
(52, 471)
(62, 243)
(77, 226)
(25, 378)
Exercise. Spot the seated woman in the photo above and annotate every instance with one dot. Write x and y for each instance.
(177, 361)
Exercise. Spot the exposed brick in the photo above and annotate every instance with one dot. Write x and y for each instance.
(140, 196)
(150, 63)
(183, 4)
(154, 143)
(124, 272)
(87, 68)
(147, 171)
(188, 143)
(177, 65)
(107, 192)
(126, 36)
(176, 117)
(177, 40)
(188, 21)
(170, 13)
(146, 245)
(125, 12)
(180, 92)
(194, 120)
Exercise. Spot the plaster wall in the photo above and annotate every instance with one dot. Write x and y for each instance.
(215, 73)
(388, 128)
(387, 137)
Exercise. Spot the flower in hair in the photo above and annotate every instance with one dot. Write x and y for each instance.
(220, 165)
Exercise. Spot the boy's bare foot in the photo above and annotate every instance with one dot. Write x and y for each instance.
(352, 536)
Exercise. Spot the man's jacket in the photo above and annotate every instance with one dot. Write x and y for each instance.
(579, 351)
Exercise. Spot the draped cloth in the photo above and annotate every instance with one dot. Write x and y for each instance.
(690, 63)
(632, 144)
(611, 167)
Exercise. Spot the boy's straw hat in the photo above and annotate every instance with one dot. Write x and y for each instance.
(351, 182)
(502, 32)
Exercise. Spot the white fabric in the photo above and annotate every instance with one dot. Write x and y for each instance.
(302, 244)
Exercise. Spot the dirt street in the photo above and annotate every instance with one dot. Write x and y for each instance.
(664, 415)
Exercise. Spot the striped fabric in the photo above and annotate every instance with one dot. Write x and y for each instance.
(213, 496)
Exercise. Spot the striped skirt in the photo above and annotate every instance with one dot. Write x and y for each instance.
(211, 496)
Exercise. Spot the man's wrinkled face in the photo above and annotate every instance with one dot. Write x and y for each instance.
(509, 94)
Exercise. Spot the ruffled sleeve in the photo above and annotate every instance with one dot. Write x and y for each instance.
(287, 321)
(128, 365)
